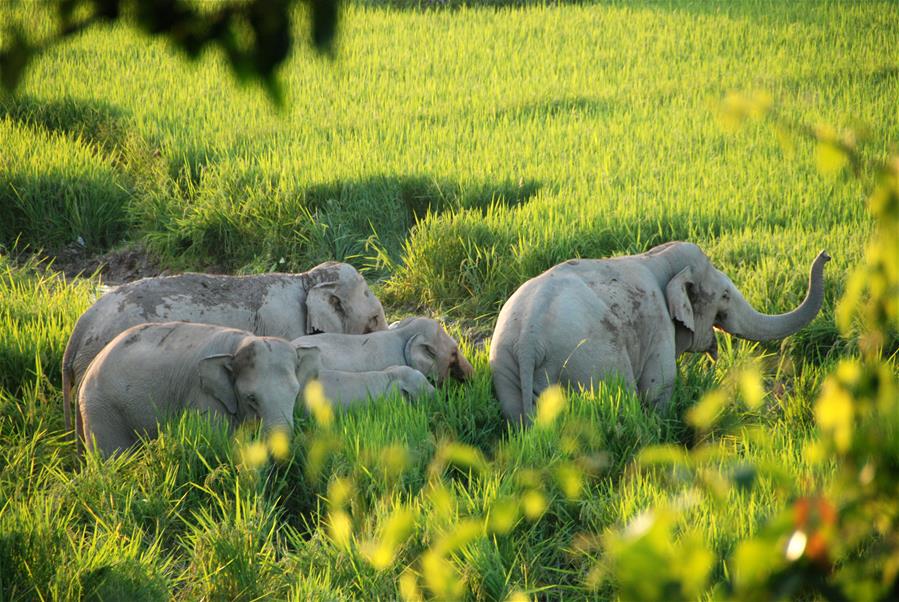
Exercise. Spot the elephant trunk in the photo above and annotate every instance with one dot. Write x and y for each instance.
(745, 322)
(461, 368)
(280, 424)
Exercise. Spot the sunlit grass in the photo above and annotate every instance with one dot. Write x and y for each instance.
(532, 135)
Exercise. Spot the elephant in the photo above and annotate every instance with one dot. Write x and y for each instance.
(331, 297)
(419, 343)
(156, 370)
(348, 388)
(588, 319)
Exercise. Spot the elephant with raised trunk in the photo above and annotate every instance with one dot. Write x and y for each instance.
(331, 297)
(631, 317)
(154, 371)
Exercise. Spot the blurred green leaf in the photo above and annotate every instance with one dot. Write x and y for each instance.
(830, 158)
(14, 59)
(255, 35)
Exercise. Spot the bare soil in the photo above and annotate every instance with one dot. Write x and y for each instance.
(114, 267)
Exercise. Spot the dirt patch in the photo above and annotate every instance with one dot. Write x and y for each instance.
(115, 267)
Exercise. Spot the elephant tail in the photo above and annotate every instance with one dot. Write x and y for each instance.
(68, 386)
(68, 381)
(527, 366)
(526, 376)
(68, 376)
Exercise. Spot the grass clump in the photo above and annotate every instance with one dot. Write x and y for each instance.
(38, 312)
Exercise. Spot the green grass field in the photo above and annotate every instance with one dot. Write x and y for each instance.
(452, 154)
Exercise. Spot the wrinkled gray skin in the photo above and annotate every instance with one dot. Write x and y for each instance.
(154, 371)
(631, 317)
(331, 297)
(419, 343)
(349, 388)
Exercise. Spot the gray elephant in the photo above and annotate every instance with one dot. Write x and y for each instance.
(348, 388)
(419, 343)
(584, 320)
(331, 297)
(153, 371)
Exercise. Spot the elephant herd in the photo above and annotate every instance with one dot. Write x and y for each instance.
(244, 347)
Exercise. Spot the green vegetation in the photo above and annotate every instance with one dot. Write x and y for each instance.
(454, 154)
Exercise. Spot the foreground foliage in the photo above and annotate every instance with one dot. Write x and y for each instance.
(256, 36)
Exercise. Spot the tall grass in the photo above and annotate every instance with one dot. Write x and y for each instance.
(577, 130)
(38, 311)
(455, 154)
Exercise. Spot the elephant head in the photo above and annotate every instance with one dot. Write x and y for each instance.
(411, 382)
(261, 379)
(431, 351)
(702, 298)
(339, 300)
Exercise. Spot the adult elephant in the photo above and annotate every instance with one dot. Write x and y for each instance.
(331, 297)
(587, 319)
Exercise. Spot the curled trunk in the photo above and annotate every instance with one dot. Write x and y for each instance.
(745, 322)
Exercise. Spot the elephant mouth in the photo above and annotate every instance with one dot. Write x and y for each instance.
(313, 330)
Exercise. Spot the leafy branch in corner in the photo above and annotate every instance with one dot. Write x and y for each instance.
(255, 35)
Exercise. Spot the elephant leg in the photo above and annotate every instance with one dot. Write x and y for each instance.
(508, 390)
(541, 381)
(656, 383)
(104, 430)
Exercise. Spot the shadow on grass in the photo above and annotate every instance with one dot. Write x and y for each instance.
(885, 75)
(764, 11)
(100, 124)
(250, 221)
(54, 209)
(561, 107)
(418, 195)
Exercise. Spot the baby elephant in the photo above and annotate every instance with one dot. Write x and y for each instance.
(347, 388)
(419, 343)
(153, 371)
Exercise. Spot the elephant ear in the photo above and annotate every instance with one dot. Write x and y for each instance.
(217, 380)
(324, 309)
(308, 364)
(420, 354)
(680, 307)
(417, 386)
(408, 390)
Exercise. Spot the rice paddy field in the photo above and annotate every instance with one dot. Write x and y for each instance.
(450, 153)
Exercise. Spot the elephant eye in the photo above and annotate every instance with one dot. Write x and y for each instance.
(336, 304)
